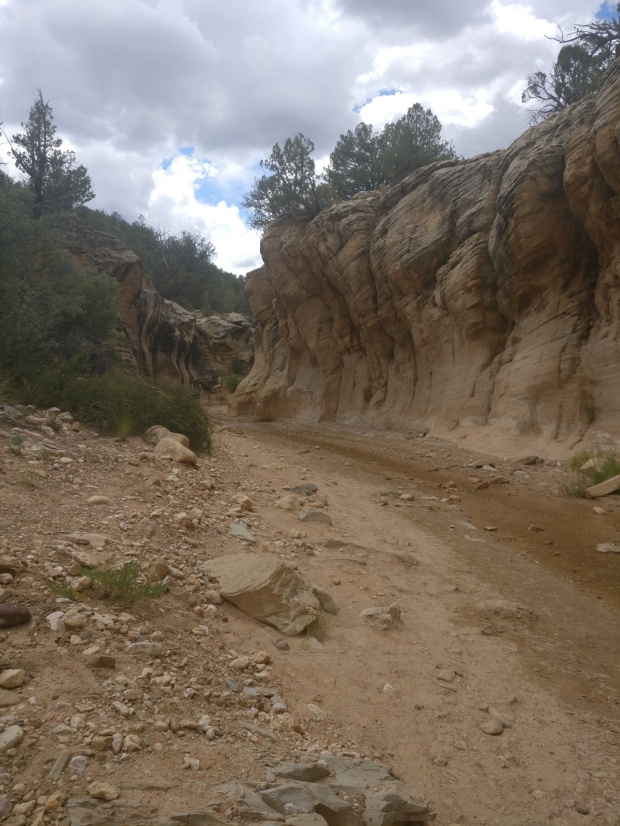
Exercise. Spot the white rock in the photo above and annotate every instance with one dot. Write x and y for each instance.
(10, 737)
(12, 678)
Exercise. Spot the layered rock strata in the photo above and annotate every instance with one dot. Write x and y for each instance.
(161, 338)
(479, 298)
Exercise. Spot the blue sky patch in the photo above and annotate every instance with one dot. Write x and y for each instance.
(607, 11)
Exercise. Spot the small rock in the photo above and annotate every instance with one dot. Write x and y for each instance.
(9, 698)
(240, 662)
(100, 661)
(14, 613)
(604, 488)
(99, 500)
(312, 515)
(155, 434)
(239, 530)
(12, 678)
(213, 597)
(191, 763)
(598, 510)
(582, 809)
(535, 528)
(608, 548)
(287, 503)
(10, 737)
(306, 489)
(170, 448)
(145, 649)
(490, 528)
(244, 502)
(158, 570)
(325, 598)
(103, 791)
(55, 802)
(282, 645)
(389, 689)
(492, 726)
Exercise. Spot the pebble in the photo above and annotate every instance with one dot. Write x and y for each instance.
(239, 530)
(9, 698)
(282, 645)
(145, 649)
(605, 548)
(582, 809)
(389, 689)
(103, 791)
(240, 663)
(10, 737)
(492, 726)
(14, 613)
(312, 515)
(99, 500)
(12, 678)
(100, 661)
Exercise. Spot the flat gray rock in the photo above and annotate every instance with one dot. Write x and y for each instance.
(239, 530)
(305, 490)
(289, 799)
(313, 515)
(301, 771)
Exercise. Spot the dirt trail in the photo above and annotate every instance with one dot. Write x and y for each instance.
(545, 656)
(556, 670)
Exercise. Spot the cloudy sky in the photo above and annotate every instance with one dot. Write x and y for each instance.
(171, 104)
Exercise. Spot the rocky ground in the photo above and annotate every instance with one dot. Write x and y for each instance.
(474, 649)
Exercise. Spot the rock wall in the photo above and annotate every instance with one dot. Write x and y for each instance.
(159, 337)
(478, 298)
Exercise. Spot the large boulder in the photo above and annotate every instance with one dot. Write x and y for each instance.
(266, 588)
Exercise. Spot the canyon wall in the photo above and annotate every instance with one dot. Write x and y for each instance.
(478, 299)
(159, 337)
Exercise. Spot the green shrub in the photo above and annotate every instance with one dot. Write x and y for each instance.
(16, 445)
(232, 381)
(123, 585)
(116, 403)
(606, 466)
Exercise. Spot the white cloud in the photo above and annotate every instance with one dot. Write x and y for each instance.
(131, 81)
(521, 21)
(174, 206)
(449, 105)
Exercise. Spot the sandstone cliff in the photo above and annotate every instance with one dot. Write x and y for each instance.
(478, 298)
(159, 337)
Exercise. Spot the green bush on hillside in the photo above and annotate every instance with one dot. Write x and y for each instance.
(119, 404)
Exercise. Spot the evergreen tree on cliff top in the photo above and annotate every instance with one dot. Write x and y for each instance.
(362, 160)
(586, 54)
(290, 189)
(51, 173)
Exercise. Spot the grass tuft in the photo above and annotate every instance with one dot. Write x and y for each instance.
(123, 585)
(606, 465)
(16, 445)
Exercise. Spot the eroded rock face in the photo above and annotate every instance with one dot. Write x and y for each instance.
(477, 298)
(163, 339)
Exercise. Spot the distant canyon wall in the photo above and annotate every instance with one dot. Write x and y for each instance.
(159, 337)
(477, 299)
